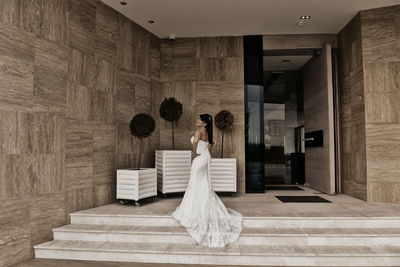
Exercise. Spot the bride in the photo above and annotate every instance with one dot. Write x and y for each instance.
(201, 211)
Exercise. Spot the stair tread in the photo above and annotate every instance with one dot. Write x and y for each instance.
(167, 215)
(165, 230)
(248, 250)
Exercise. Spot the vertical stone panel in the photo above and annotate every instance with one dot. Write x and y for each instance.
(15, 132)
(142, 95)
(19, 186)
(78, 199)
(104, 76)
(155, 57)
(369, 56)
(125, 47)
(15, 232)
(104, 153)
(352, 110)
(178, 59)
(104, 194)
(380, 52)
(81, 67)
(46, 211)
(68, 74)
(50, 76)
(125, 97)
(81, 24)
(106, 32)
(16, 68)
(53, 20)
(102, 107)
(10, 12)
(78, 155)
(78, 102)
(141, 45)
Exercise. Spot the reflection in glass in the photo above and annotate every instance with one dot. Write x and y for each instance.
(254, 139)
(283, 125)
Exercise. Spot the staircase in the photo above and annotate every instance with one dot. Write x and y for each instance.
(267, 241)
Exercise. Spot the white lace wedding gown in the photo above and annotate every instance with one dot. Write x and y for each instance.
(201, 211)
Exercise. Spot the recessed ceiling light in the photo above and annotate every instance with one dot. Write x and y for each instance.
(123, 3)
(305, 17)
(151, 21)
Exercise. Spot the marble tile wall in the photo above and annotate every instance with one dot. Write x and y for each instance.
(370, 113)
(352, 110)
(380, 30)
(72, 75)
(206, 76)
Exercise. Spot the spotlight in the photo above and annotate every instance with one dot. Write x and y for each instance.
(123, 3)
(151, 21)
(305, 17)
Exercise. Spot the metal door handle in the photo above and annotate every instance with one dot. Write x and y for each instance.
(308, 139)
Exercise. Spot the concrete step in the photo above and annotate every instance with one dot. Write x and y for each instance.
(249, 236)
(85, 217)
(274, 255)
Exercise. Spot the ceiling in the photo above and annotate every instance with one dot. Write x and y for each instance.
(276, 63)
(194, 18)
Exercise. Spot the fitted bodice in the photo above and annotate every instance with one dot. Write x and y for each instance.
(201, 145)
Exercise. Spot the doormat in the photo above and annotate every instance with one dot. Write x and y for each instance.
(302, 199)
(282, 187)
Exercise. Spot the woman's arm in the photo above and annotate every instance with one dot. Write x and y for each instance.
(197, 136)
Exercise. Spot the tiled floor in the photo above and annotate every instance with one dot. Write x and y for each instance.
(267, 205)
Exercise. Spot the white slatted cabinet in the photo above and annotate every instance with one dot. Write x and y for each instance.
(173, 170)
(134, 184)
(223, 174)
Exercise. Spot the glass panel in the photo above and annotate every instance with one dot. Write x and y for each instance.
(254, 138)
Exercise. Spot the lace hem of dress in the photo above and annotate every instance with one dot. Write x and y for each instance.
(216, 234)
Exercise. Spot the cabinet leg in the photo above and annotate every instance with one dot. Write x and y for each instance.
(137, 204)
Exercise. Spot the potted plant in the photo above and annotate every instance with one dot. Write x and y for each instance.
(223, 170)
(141, 126)
(171, 111)
(138, 183)
(173, 166)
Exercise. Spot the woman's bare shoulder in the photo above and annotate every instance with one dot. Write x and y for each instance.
(200, 130)
(197, 132)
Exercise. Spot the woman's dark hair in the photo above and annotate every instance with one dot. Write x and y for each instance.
(207, 118)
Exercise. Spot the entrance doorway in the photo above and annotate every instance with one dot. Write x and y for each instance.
(299, 118)
(283, 124)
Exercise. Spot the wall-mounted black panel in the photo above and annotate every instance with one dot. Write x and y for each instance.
(253, 59)
(314, 139)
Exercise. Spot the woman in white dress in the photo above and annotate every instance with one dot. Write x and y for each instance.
(201, 211)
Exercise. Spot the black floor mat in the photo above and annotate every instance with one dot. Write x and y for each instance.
(282, 187)
(302, 199)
